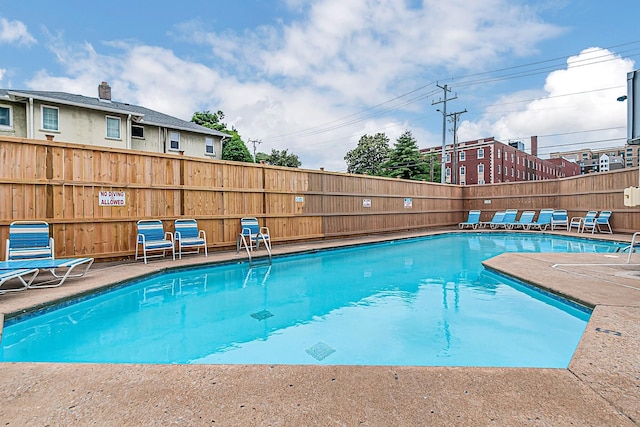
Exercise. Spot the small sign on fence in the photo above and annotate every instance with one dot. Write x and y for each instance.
(366, 203)
(408, 202)
(111, 198)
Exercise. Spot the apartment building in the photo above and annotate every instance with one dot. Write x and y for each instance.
(602, 160)
(489, 161)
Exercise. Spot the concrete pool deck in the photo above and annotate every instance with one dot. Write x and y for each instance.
(601, 386)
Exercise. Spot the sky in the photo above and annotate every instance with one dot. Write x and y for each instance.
(314, 76)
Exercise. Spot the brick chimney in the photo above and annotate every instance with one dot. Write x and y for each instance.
(104, 91)
(534, 146)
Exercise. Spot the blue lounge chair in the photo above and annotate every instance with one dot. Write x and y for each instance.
(524, 222)
(497, 219)
(559, 219)
(30, 247)
(189, 237)
(152, 238)
(252, 234)
(472, 221)
(589, 221)
(19, 274)
(508, 218)
(602, 222)
(60, 268)
(29, 240)
(544, 220)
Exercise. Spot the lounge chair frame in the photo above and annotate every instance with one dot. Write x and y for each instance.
(602, 222)
(559, 219)
(60, 268)
(152, 238)
(252, 234)
(498, 216)
(525, 221)
(544, 220)
(189, 237)
(589, 222)
(20, 274)
(473, 220)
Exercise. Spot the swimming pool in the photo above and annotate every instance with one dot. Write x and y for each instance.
(424, 301)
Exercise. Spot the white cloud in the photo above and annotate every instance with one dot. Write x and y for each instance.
(15, 32)
(297, 85)
(579, 101)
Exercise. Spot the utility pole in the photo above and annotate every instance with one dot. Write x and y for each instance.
(454, 170)
(255, 143)
(446, 89)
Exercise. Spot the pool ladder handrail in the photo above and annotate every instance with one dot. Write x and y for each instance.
(242, 242)
(635, 241)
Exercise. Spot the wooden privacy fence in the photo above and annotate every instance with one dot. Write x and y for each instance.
(598, 191)
(61, 183)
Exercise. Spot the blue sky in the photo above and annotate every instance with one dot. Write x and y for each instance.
(314, 76)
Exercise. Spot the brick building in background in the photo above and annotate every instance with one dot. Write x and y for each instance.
(602, 160)
(488, 161)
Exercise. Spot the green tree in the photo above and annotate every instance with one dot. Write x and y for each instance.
(369, 156)
(236, 150)
(279, 158)
(405, 160)
(261, 157)
(210, 120)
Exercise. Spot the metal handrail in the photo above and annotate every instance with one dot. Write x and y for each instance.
(632, 245)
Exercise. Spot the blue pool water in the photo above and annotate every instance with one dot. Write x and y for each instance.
(423, 301)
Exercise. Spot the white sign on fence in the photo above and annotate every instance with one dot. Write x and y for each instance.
(111, 198)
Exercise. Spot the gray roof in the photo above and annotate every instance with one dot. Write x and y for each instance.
(142, 115)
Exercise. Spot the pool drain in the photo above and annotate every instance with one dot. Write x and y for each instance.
(320, 351)
(261, 315)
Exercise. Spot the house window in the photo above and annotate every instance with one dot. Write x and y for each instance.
(481, 153)
(499, 169)
(208, 145)
(50, 118)
(137, 131)
(447, 172)
(6, 117)
(174, 140)
(461, 156)
(463, 170)
(448, 158)
(481, 181)
(480, 168)
(113, 127)
(499, 154)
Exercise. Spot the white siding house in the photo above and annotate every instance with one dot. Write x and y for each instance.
(100, 121)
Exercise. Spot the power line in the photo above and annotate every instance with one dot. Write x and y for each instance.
(393, 104)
